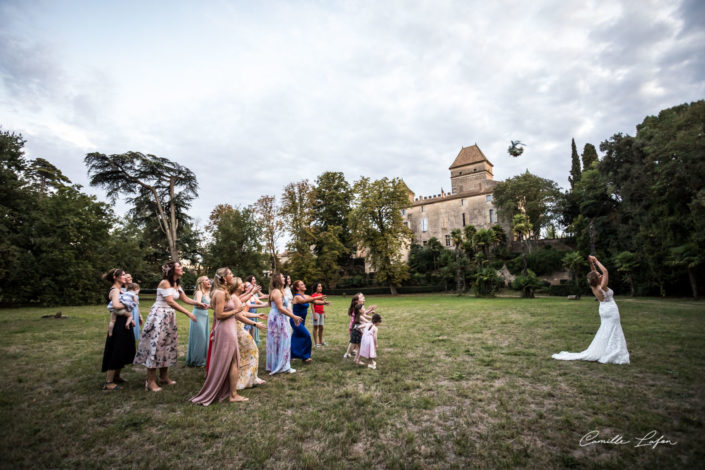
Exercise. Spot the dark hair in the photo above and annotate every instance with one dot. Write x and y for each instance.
(113, 274)
(315, 286)
(357, 311)
(250, 278)
(376, 318)
(287, 278)
(275, 282)
(168, 271)
(353, 302)
(296, 284)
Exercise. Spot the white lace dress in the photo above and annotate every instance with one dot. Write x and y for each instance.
(609, 345)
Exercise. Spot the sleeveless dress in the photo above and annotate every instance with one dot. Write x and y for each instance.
(367, 345)
(136, 319)
(300, 339)
(159, 342)
(198, 336)
(254, 331)
(120, 347)
(223, 351)
(278, 341)
(609, 345)
(249, 358)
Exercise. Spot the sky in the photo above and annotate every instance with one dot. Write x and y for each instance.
(252, 96)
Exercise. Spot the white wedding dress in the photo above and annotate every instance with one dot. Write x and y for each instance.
(609, 345)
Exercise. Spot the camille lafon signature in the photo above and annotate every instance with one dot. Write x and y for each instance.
(650, 439)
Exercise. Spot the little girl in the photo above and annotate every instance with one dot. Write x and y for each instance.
(368, 346)
(358, 300)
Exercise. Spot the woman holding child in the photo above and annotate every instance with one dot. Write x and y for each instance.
(119, 343)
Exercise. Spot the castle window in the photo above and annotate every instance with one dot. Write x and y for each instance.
(424, 242)
(462, 202)
(475, 170)
(406, 224)
(492, 216)
(421, 208)
(463, 219)
(403, 211)
(424, 225)
(447, 240)
(488, 197)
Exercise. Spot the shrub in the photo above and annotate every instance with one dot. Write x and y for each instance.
(527, 284)
(487, 283)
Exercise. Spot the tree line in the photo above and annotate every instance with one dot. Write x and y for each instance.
(641, 207)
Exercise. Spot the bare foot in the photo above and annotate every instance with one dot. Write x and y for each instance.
(259, 381)
(166, 381)
(237, 398)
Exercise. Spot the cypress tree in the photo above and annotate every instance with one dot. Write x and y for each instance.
(574, 165)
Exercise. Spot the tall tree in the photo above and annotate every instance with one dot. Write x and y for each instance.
(235, 236)
(45, 175)
(268, 218)
(574, 165)
(589, 156)
(297, 203)
(529, 194)
(377, 227)
(139, 175)
(331, 208)
(456, 235)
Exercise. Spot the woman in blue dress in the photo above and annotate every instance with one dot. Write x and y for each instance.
(198, 331)
(300, 338)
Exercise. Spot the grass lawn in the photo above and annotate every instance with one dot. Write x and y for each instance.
(461, 382)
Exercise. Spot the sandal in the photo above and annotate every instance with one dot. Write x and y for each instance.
(107, 387)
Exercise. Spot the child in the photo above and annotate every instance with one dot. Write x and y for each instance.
(368, 345)
(136, 316)
(129, 301)
(319, 316)
(357, 304)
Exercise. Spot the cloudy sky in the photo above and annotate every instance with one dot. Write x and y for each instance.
(254, 95)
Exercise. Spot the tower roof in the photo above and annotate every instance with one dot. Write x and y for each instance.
(468, 156)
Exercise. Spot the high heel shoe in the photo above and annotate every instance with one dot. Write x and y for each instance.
(148, 389)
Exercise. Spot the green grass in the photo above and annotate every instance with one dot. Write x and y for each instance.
(461, 382)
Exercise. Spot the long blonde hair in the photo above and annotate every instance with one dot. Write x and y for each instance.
(219, 281)
(199, 284)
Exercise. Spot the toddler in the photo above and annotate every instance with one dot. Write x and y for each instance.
(368, 345)
(129, 301)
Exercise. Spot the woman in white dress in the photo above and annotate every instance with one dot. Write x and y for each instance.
(609, 345)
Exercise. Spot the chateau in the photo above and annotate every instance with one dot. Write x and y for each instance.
(468, 203)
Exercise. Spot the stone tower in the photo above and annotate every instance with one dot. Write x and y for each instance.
(470, 171)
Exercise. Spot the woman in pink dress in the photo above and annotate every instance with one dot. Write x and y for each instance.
(223, 374)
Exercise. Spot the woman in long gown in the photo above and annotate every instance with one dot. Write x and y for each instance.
(119, 343)
(198, 331)
(223, 373)
(249, 353)
(158, 347)
(278, 336)
(301, 338)
(608, 345)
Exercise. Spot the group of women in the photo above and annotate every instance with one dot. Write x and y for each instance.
(230, 352)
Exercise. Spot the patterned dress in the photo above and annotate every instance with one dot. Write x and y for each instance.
(249, 359)
(278, 341)
(159, 342)
(224, 350)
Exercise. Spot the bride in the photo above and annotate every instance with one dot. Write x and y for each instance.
(609, 345)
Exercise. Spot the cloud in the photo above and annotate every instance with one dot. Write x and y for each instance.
(252, 97)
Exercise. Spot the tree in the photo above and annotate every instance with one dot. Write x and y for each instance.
(140, 176)
(627, 263)
(575, 263)
(589, 156)
(377, 227)
(530, 194)
(235, 236)
(42, 173)
(574, 165)
(456, 235)
(690, 257)
(522, 228)
(268, 218)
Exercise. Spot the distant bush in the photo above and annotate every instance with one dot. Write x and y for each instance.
(542, 261)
